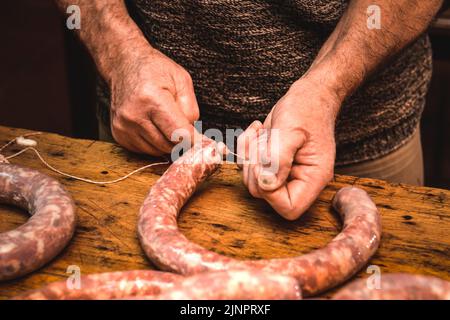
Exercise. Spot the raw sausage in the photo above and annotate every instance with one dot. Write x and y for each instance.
(157, 285)
(46, 233)
(233, 285)
(397, 287)
(317, 271)
(105, 286)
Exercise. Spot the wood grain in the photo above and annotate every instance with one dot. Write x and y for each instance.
(222, 216)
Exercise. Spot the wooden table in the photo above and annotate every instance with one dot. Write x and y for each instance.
(222, 216)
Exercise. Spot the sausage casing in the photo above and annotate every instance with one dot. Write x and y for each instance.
(317, 271)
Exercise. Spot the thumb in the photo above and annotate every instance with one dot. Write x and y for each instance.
(188, 104)
(276, 161)
(185, 96)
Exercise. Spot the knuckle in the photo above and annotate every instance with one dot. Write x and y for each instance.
(146, 94)
(127, 114)
(195, 114)
(116, 127)
(292, 213)
(187, 77)
(145, 90)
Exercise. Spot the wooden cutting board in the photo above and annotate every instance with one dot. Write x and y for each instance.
(222, 216)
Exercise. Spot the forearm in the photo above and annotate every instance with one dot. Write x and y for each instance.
(353, 51)
(107, 31)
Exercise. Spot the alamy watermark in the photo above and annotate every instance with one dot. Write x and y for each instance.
(373, 17)
(373, 282)
(73, 282)
(74, 20)
(262, 149)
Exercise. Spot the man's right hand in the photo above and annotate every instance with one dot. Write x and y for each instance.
(151, 96)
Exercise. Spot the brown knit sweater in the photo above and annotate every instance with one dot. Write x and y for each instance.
(244, 54)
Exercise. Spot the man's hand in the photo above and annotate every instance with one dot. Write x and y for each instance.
(304, 148)
(151, 97)
(305, 116)
(151, 94)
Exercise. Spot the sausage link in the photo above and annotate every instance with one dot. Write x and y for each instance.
(317, 271)
(233, 285)
(105, 286)
(46, 233)
(157, 285)
(397, 287)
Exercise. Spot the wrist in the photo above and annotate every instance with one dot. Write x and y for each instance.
(338, 79)
(122, 57)
(328, 82)
(113, 40)
(320, 98)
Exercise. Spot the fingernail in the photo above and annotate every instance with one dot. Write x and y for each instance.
(267, 178)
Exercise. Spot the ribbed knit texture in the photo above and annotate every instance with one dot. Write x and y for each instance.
(243, 56)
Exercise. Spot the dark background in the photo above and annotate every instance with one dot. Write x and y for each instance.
(47, 81)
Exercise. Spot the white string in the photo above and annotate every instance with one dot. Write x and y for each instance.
(72, 176)
(75, 177)
(235, 154)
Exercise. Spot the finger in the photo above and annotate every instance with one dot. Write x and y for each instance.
(135, 143)
(268, 121)
(247, 142)
(282, 146)
(255, 163)
(253, 183)
(144, 130)
(245, 170)
(250, 162)
(253, 172)
(150, 133)
(293, 198)
(172, 122)
(245, 139)
(147, 148)
(187, 101)
(119, 136)
(257, 156)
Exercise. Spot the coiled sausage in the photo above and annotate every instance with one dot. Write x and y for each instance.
(233, 285)
(46, 233)
(317, 271)
(105, 286)
(157, 285)
(397, 287)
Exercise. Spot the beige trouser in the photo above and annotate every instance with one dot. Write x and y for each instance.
(404, 165)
